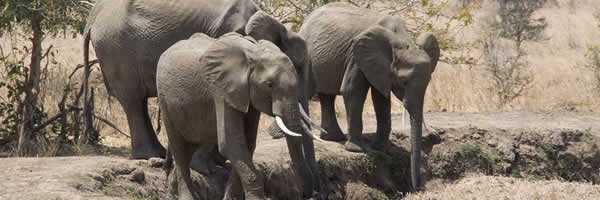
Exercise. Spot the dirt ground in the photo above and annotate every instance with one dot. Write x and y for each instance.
(508, 155)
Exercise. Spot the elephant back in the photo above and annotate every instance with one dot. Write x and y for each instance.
(328, 32)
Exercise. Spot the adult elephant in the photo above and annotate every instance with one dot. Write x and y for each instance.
(353, 49)
(130, 35)
(213, 91)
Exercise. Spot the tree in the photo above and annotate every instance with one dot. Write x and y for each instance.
(510, 75)
(38, 19)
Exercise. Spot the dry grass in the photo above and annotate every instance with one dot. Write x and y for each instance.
(560, 79)
(496, 187)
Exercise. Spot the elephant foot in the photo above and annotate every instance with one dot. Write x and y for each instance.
(148, 152)
(333, 136)
(274, 131)
(172, 184)
(204, 166)
(354, 146)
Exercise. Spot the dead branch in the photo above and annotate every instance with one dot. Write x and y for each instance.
(93, 62)
(408, 5)
(52, 119)
(111, 125)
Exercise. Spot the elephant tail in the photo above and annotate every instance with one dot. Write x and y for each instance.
(86, 50)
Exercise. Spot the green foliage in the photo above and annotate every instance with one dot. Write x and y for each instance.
(397, 161)
(13, 75)
(510, 73)
(292, 11)
(518, 23)
(469, 157)
(59, 16)
(34, 20)
(430, 16)
(375, 194)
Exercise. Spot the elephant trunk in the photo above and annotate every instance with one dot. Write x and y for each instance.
(416, 121)
(412, 98)
(291, 118)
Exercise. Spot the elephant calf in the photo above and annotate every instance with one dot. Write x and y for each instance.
(353, 49)
(212, 91)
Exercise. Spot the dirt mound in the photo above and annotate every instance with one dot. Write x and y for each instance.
(89, 177)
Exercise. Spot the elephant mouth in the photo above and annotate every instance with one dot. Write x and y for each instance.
(306, 124)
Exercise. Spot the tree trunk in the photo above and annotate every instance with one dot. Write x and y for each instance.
(89, 134)
(32, 87)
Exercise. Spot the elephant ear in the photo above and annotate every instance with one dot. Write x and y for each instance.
(264, 27)
(225, 68)
(372, 54)
(430, 44)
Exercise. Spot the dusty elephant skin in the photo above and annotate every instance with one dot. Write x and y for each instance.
(353, 49)
(212, 91)
(128, 37)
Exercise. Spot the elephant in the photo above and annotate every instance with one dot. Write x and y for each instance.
(212, 91)
(353, 49)
(128, 37)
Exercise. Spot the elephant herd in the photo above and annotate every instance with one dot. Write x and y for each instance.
(215, 65)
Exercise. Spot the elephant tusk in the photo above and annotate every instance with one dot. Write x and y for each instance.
(314, 137)
(282, 126)
(307, 119)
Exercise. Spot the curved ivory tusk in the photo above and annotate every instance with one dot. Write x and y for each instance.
(282, 126)
(308, 120)
(314, 137)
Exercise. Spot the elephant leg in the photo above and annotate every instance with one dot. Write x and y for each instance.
(234, 188)
(144, 143)
(354, 101)
(329, 120)
(384, 120)
(182, 152)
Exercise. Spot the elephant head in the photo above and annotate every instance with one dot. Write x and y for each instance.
(385, 55)
(252, 75)
(264, 27)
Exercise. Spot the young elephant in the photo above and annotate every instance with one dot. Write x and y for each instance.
(211, 91)
(353, 49)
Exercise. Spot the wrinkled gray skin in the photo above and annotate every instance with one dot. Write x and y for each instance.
(212, 91)
(353, 49)
(130, 35)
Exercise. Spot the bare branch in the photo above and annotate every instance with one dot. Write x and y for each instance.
(111, 125)
(52, 119)
(47, 52)
(408, 5)
(93, 62)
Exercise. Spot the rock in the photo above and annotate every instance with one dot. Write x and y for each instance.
(137, 176)
(508, 150)
(156, 162)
